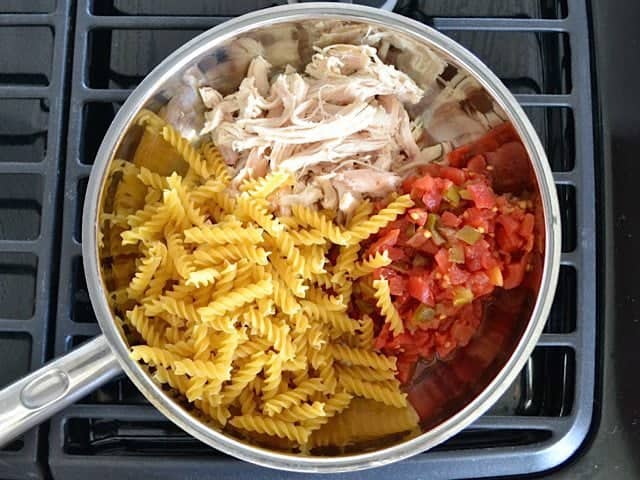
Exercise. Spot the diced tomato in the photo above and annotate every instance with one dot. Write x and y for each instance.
(407, 183)
(420, 289)
(488, 143)
(456, 175)
(480, 284)
(441, 282)
(389, 239)
(511, 170)
(513, 273)
(442, 259)
(450, 220)
(477, 164)
(457, 276)
(418, 216)
(481, 195)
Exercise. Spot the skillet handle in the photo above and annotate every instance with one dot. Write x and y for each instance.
(43, 393)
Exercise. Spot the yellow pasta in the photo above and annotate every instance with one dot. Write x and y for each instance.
(279, 428)
(381, 219)
(391, 315)
(242, 312)
(188, 152)
(216, 235)
(365, 358)
(292, 397)
(216, 163)
(265, 186)
(370, 264)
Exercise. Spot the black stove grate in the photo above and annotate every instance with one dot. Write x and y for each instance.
(33, 48)
(538, 47)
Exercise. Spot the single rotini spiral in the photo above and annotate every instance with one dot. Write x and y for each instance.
(143, 215)
(152, 179)
(384, 303)
(275, 333)
(248, 402)
(236, 299)
(283, 297)
(180, 348)
(256, 211)
(172, 306)
(181, 258)
(339, 321)
(328, 375)
(361, 213)
(345, 261)
(154, 356)
(184, 148)
(365, 358)
(148, 330)
(207, 256)
(326, 301)
(242, 376)
(206, 192)
(283, 242)
(251, 347)
(293, 397)
(195, 388)
(291, 280)
(150, 229)
(272, 376)
(320, 222)
(380, 220)
(365, 333)
(314, 260)
(219, 413)
(333, 406)
(371, 264)
(208, 369)
(144, 273)
(366, 373)
(174, 181)
(203, 277)
(216, 235)
(379, 391)
(304, 411)
(215, 163)
(201, 342)
(150, 120)
(307, 237)
(269, 426)
(265, 186)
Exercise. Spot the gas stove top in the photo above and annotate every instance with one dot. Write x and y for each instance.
(68, 66)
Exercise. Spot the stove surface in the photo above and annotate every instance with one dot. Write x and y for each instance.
(54, 109)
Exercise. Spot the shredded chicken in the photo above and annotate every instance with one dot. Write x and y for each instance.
(349, 109)
(341, 127)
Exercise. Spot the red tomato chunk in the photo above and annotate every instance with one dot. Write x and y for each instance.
(461, 241)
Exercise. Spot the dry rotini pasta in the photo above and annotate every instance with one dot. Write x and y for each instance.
(242, 312)
(383, 295)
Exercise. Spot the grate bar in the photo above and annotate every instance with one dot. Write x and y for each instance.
(545, 100)
(119, 412)
(26, 19)
(103, 95)
(565, 178)
(24, 91)
(490, 422)
(558, 340)
(501, 24)
(150, 22)
(21, 246)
